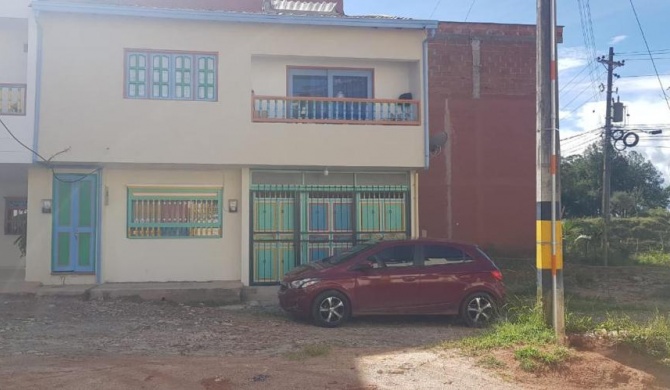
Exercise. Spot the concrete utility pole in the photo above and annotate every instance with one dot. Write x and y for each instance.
(549, 231)
(607, 147)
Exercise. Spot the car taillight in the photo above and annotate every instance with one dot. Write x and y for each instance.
(497, 275)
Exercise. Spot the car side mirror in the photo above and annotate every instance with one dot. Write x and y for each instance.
(364, 266)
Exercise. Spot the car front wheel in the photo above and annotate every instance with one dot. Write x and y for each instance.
(479, 310)
(330, 309)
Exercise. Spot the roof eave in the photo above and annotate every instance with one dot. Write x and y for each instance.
(235, 17)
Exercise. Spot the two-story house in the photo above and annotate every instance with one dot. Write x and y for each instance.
(17, 83)
(220, 140)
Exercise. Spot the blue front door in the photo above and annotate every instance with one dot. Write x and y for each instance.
(75, 209)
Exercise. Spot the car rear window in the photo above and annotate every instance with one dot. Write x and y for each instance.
(443, 254)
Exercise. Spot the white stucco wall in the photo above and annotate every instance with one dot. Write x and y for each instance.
(14, 60)
(17, 67)
(83, 87)
(162, 260)
(15, 8)
(142, 260)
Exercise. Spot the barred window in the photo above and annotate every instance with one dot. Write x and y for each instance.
(15, 209)
(175, 212)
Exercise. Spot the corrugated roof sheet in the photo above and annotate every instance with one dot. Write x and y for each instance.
(304, 6)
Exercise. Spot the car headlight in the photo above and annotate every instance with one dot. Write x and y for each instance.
(304, 283)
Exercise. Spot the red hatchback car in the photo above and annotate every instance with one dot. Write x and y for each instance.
(396, 277)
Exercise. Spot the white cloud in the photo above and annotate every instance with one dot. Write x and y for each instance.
(571, 58)
(617, 39)
(640, 84)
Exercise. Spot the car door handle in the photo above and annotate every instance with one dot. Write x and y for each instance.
(409, 278)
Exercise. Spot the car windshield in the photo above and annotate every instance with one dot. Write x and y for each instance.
(348, 254)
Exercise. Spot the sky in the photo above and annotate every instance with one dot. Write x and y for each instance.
(582, 105)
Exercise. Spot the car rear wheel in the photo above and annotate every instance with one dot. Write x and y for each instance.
(330, 309)
(479, 310)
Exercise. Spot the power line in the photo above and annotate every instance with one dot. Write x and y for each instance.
(589, 39)
(573, 149)
(21, 143)
(640, 53)
(646, 43)
(649, 59)
(574, 78)
(581, 83)
(581, 134)
(587, 101)
(565, 106)
(644, 75)
(469, 10)
(437, 4)
(45, 160)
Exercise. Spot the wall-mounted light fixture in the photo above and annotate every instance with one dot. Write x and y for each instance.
(232, 205)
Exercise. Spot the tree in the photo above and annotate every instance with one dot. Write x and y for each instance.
(637, 186)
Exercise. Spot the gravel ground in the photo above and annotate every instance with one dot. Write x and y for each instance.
(48, 343)
(75, 328)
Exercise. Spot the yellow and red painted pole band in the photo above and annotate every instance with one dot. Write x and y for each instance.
(546, 260)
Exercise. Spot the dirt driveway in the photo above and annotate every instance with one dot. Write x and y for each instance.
(74, 344)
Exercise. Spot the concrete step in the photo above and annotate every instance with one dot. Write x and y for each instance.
(68, 290)
(18, 287)
(261, 295)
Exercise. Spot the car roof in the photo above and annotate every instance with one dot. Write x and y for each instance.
(424, 240)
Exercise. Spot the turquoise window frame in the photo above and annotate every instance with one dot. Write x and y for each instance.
(171, 75)
(174, 212)
(206, 77)
(183, 77)
(136, 74)
(161, 70)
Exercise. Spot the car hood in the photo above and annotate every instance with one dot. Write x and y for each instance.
(306, 271)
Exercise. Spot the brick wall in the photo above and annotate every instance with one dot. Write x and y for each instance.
(481, 187)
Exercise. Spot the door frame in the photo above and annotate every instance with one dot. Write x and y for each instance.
(96, 226)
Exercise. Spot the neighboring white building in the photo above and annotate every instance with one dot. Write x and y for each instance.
(17, 84)
(204, 144)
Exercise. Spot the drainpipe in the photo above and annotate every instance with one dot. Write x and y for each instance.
(426, 122)
(38, 86)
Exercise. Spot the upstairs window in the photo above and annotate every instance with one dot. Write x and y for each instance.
(12, 99)
(330, 83)
(170, 75)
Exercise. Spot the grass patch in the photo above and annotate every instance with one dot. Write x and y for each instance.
(518, 326)
(651, 338)
(309, 351)
(600, 307)
(653, 258)
(534, 359)
(523, 330)
(576, 323)
(491, 362)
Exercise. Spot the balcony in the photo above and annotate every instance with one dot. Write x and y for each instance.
(322, 110)
(12, 99)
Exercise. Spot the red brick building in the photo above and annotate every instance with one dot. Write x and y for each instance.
(481, 187)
